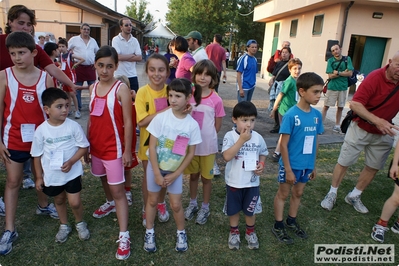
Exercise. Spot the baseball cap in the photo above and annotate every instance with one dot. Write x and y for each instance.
(251, 42)
(194, 35)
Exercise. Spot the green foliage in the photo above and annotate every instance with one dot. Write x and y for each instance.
(215, 16)
(137, 10)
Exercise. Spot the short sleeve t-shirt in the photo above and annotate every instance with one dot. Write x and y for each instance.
(290, 95)
(340, 83)
(185, 63)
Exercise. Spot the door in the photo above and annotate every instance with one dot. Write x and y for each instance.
(373, 54)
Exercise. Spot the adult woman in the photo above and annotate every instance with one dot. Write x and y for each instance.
(171, 59)
(21, 18)
(179, 47)
(227, 57)
(280, 73)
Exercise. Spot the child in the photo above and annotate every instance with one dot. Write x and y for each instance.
(110, 136)
(57, 163)
(299, 130)
(174, 135)
(287, 97)
(52, 51)
(245, 152)
(390, 205)
(151, 100)
(209, 116)
(68, 66)
(21, 87)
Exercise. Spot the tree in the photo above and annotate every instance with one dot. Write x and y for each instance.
(137, 10)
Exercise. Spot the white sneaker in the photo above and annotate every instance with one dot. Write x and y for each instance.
(163, 214)
(216, 170)
(28, 183)
(77, 114)
(2, 207)
(329, 201)
(63, 233)
(129, 198)
(83, 232)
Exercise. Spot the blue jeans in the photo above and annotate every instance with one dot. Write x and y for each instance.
(247, 95)
(134, 83)
(79, 92)
(27, 171)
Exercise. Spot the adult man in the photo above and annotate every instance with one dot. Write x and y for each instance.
(371, 132)
(129, 52)
(86, 47)
(339, 68)
(194, 39)
(247, 67)
(217, 54)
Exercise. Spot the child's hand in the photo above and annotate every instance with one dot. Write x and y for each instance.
(87, 157)
(259, 168)
(133, 94)
(272, 114)
(169, 179)
(127, 159)
(66, 167)
(160, 180)
(312, 175)
(393, 172)
(188, 109)
(4, 154)
(245, 134)
(39, 183)
(290, 178)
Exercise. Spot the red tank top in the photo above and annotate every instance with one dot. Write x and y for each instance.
(22, 105)
(106, 135)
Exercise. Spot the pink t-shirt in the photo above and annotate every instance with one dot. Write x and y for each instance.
(183, 68)
(210, 107)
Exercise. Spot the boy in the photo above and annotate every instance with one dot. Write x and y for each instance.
(245, 152)
(57, 162)
(287, 97)
(247, 67)
(21, 87)
(68, 66)
(299, 130)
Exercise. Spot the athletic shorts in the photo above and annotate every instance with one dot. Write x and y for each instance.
(202, 165)
(301, 176)
(71, 187)
(376, 147)
(241, 199)
(19, 156)
(335, 98)
(175, 188)
(113, 169)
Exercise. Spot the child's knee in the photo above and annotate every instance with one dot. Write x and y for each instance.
(175, 206)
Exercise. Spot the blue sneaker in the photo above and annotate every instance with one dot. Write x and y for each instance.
(6, 241)
(49, 210)
(181, 242)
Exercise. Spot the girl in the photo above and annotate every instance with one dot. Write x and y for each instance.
(151, 100)
(209, 116)
(174, 135)
(110, 136)
(186, 62)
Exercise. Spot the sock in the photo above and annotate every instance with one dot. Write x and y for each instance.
(234, 230)
(382, 223)
(250, 229)
(290, 220)
(278, 225)
(333, 189)
(338, 125)
(127, 188)
(161, 203)
(277, 152)
(355, 192)
(126, 234)
(151, 231)
(181, 231)
(143, 210)
(193, 202)
(205, 206)
(111, 202)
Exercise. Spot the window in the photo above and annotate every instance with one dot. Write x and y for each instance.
(318, 25)
(294, 27)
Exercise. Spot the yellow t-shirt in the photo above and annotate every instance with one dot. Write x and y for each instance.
(145, 106)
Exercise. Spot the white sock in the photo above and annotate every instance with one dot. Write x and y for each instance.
(182, 231)
(151, 231)
(333, 189)
(112, 202)
(124, 234)
(355, 192)
(277, 152)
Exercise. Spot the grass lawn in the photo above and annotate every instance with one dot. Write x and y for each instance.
(207, 243)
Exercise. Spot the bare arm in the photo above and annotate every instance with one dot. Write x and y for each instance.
(290, 177)
(154, 161)
(130, 57)
(81, 60)
(218, 123)
(58, 74)
(169, 178)
(39, 173)
(4, 153)
(125, 97)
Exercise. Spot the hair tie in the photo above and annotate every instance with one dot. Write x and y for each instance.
(192, 87)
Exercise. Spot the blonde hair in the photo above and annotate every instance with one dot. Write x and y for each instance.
(124, 79)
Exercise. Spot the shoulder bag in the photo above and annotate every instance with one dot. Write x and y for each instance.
(328, 80)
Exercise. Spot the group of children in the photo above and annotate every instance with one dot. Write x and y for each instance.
(178, 134)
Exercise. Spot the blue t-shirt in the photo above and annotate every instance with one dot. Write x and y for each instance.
(248, 66)
(303, 127)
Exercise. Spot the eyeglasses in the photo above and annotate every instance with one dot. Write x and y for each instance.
(128, 25)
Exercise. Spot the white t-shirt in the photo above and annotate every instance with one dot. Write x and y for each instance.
(168, 129)
(124, 47)
(235, 174)
(199, 54)
(80, 49)
(65, 139)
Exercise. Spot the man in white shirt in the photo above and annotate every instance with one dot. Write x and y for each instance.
(85, 47)
(129, 52)
(194, 39)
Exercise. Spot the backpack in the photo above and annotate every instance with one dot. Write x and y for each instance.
(352, 79)
(271, 64)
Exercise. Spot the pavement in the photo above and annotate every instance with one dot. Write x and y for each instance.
(228, 93)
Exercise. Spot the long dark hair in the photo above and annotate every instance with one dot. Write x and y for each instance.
(185, 86)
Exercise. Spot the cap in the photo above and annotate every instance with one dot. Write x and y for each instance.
(194, 35)
(251, 42)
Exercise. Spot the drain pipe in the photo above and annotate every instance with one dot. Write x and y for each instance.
(345, 20)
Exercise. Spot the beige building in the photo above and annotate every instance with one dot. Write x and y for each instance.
(366, 29)
(64, 17)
